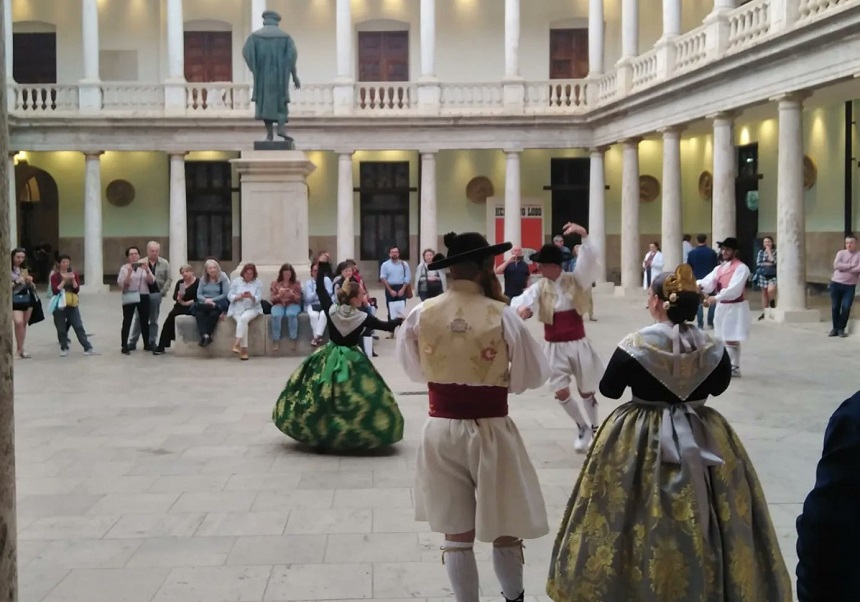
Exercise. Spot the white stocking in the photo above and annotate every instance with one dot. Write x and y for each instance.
(734, 352)
(572, 408)
(590, 404)
(459, 560)
(508, 563)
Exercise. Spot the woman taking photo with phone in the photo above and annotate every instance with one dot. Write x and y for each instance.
(134, 279)
(23, 299)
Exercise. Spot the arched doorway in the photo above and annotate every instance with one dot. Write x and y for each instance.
(38, 206)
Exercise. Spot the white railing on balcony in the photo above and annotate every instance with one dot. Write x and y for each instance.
(607, 88)
(313, 100)
(471, 98)
(42, 99)
(644, 70)
(691, 50)
(810, 9)
(556, 96)
(132, 96)
(385, 97)
(218, 97)
(748, 23)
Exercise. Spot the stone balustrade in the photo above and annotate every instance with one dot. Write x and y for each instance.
(736, 31)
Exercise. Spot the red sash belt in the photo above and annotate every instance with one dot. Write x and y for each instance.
(463, 402)
(738, 300)
(566, 326)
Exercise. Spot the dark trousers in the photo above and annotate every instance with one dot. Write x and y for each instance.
(700, 315)
(142, 309)
(168, 329)
(207, 318)
(841, 299)
(63, 319)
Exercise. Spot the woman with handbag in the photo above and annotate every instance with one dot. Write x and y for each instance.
(23, 299)
(134, 279)
(212, 300)
(313, 306)
(65, 286)
(184, 296)
(429, 283)
(765, 276)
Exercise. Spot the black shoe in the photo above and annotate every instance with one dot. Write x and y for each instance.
(772, 304)
(147, 347)
(517, 599)
(833, 333)
(131, 347)
(842, 334)
(126, 351)
(206, 342)
(158, 351)
(761, 317)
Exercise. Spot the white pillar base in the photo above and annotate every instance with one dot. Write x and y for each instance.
(793, 316)
(429, 97)
(90, 96)
(514, 96)
(174, 97)
(92, 289)
(344, 98)
(630, 292)
(604, 288)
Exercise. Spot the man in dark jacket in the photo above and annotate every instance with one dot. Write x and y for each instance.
(828, 530)
(703, 259)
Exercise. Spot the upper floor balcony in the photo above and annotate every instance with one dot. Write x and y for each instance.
(140, 58)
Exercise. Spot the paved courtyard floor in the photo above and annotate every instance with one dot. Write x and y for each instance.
(163, 479)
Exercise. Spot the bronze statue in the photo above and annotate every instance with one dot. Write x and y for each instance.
(271, 56)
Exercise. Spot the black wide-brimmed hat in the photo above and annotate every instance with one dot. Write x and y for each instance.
(550, 253)
(729, 243)
(469, 246)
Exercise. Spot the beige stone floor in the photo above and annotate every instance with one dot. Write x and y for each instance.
(159, 478)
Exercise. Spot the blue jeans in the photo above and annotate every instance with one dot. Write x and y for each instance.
(700, 315)
(292, 313)
(841, 299)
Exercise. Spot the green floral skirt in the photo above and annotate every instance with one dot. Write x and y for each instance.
(633, 529)
(337, 401)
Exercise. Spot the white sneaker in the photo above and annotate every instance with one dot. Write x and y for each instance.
(64, 353)
(736, 372)
(91, 352)
(583, 440)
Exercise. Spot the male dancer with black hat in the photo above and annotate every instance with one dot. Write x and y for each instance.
(474, 477)
(725, 287)
(560, 299)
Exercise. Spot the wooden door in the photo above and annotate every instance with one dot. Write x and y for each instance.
(34, 58)
(568, 53)
(209, 198)
(383, 56)
(570, 184)
(746, 211)
(384, 206)
(208, 56)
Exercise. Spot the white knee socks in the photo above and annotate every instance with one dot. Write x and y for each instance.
(734, 352)
(590, 404)
(459, 560)
(367, 344)
(508, 563)
(572, 408)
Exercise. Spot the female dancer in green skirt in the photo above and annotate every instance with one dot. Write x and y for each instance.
(336, 400)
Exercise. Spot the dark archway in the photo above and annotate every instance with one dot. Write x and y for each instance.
(38, 209)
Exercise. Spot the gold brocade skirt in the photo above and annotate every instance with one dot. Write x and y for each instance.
(633, 528)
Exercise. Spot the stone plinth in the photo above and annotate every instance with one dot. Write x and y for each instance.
(259, 338)
(274, 212)
(631, 292)
(793, 316)
(604, 288)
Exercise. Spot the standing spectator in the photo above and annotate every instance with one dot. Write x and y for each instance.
(246, 294)
(286, 297)
(703, 259)
(652, 265)
(313, 307)
(843, 285)
(765, 276)
(828, 530)
(65, 286)
(395, 277)
(212, 300)
(23, 299)
(686, 247)
(134, 279)
(184, 296)
(157, 291)
(568, 264)
(429, 283)
(516, 273)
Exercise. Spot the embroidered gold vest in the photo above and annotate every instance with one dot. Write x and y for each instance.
(569, 287)
(460, 338)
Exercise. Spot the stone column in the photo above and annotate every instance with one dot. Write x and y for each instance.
(178, 212)
(344, 92)
(513, 88)
(174, 88)
(274, 212)
(718, 28)
(595, 37)
(8, 519)
(93, 246)
(597, 211)
(513, 198)
(671, 217)
(13, 202)
(345, 207)
(671, 18)
(791, 214)
(723, 222)
(629, 44)
(631, 262)
(7, 38)
(429, 235)
(89, 88)
(429, 92)
(723, 5)
(258, 7)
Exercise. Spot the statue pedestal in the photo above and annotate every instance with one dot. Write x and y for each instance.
(274, 212)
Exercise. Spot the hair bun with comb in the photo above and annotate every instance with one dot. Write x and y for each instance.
(448, 239)
(682, 281)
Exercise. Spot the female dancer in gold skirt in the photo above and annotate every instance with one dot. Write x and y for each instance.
(667, 507)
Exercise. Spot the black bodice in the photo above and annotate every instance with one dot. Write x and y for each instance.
(353, 338)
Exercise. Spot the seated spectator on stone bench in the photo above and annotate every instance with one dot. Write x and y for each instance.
(285, 294)
(184, 297)
(212, 300)
(246, 294)
(313, 307)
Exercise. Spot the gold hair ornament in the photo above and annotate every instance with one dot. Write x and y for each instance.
(682, 281)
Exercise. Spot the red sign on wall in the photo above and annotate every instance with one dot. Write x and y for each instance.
(531, 227)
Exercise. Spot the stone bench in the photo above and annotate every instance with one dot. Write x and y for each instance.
(259, 338)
